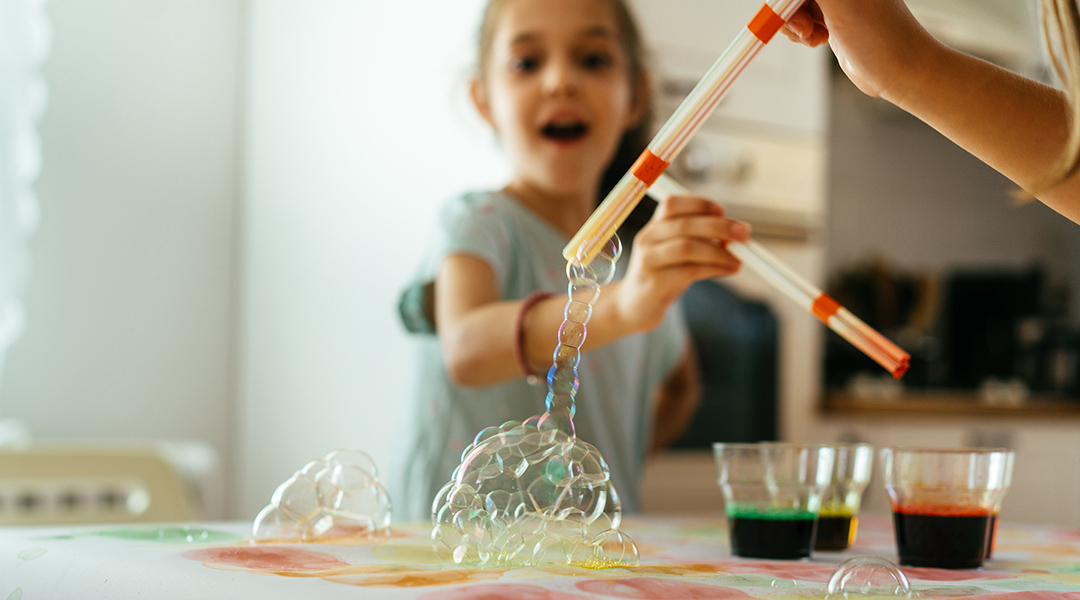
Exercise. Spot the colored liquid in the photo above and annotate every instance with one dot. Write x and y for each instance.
(835, 532)
(947, 541)
(771, 535)
(993, 534)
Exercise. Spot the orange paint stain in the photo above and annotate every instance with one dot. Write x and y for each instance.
(500, 591)
(688, 570)
(274, 559)
(286, 561)
(649, 587)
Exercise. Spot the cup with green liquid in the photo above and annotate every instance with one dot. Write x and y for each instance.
(772, 495)
(839, 518)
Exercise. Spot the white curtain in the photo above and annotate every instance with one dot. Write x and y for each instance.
(24, 43)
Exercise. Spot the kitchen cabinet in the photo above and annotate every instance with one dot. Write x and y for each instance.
(762, 152)
(784, 88)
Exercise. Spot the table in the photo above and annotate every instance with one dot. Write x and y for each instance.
(682, 557)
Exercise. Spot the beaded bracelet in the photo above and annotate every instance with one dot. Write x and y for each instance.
(519, 332)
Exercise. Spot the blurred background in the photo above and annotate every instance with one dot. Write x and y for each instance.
(216, 203)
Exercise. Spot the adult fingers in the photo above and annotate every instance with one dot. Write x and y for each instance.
(807, 26)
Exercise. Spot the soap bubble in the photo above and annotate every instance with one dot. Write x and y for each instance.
(337, 494)
(868, 576)
(532, 493)
(516, 500)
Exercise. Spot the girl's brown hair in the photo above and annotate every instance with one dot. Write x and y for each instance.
(635, 139)
(1061, 33)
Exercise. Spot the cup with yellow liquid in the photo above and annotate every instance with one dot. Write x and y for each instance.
(839, 517)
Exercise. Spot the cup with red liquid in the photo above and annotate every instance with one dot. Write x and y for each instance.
(772, 495)
(945, 503)
(839, 518)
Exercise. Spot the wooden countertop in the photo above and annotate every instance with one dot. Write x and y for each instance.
(949, 403)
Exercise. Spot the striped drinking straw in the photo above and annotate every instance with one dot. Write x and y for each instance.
(678, 130)
(829, 311)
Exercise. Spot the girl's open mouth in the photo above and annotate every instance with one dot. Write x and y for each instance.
(564, 131)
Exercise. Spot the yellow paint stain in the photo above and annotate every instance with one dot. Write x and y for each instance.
(415, 578)
(342, 538)
(619, 571)
(1067, 578)
(1039, 551)
(599, 564)
(417, 554)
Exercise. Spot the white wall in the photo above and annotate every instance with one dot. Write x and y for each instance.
(355, 128)
(130, 298)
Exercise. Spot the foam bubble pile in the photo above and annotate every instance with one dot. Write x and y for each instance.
(339, 494)
(531, 492)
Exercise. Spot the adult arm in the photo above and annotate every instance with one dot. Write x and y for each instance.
(1016, 125)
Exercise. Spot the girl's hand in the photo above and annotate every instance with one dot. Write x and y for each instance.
(681, 244)
(876, 43)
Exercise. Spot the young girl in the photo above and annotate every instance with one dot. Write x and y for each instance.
(562, 83)
(1028, 131)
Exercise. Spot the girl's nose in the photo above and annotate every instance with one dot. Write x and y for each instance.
(560, 78)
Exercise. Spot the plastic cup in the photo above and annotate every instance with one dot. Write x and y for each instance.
(997, 507)
(945, 503)
(838, 522)
(772, 493)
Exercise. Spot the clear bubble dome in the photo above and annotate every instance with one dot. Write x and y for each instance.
(868, 576)
(337, 494)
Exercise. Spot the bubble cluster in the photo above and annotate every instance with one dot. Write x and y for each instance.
(868, 576)
(339, 494)
(531, 492)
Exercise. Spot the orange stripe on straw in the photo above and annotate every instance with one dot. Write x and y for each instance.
(765, 24)
(824, 307)
(648, 167)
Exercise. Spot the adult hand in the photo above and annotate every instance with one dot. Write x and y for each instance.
(876, 43)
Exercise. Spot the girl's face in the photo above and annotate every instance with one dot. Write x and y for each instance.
(558, 93)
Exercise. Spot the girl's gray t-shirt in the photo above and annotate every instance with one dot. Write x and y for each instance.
(617, 382)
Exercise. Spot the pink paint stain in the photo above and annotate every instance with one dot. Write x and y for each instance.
(267, 558)
(649, 588)
(1041, 595)
(500, 591)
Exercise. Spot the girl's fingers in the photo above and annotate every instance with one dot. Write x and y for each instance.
(677, 206)
(706, 227)
(688, 251)
(668, 220)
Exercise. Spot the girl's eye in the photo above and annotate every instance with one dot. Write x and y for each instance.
(524, 65)
(596, 60)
